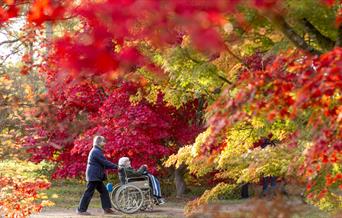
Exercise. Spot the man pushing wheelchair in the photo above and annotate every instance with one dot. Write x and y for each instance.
(135, 194)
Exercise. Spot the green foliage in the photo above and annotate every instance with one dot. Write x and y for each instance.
(321, 16)
(259, 36)
(238, 153)
(23, 169)
(190, 76)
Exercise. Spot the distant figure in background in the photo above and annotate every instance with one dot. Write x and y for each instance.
(268, 182)
(244, 190)
(95, 175)
(125, 170)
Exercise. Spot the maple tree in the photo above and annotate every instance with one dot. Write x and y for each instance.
(286, 109)
(147, 132)
(18, 198)
(21, 190)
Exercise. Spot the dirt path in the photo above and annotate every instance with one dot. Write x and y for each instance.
(222, 208)
(162, 211)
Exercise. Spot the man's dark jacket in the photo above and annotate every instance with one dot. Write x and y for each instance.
(96, 165)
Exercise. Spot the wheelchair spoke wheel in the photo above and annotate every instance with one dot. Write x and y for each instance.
(129, 198)
(147, 206)
(112, 196)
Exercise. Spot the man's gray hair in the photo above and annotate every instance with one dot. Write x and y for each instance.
(98, 140)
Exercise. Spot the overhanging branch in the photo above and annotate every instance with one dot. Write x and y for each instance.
(289, 32)
(10, 41)
(324, 42)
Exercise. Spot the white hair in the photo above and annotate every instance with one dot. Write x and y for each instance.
(98, 140)
(124, 162)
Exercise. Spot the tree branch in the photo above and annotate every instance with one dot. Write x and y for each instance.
(17, 105)
(10, 41)
(289, 32)
(4, 59)
(339, 37)
(324, 42)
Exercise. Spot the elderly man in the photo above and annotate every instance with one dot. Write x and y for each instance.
(125, 170)
(95, 176)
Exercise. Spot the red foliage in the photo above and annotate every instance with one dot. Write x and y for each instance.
(330, 2)
(7, 11)
(111, 23)
(19, 198)
(45, 10)
(39, 11)
(141, 131)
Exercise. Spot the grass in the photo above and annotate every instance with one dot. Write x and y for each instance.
(67, 194)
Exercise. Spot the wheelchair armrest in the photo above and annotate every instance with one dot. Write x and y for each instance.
(140, 182)
(140, 178)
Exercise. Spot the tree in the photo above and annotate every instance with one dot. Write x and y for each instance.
(21, 192)
(146, 132)
(286, 102)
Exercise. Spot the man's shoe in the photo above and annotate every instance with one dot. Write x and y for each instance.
(161, 201)
(83, 213)
(108, 211)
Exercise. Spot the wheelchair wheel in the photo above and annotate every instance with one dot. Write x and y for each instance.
(129, 198)
(147, 206)
(112, 196)
(148, 201)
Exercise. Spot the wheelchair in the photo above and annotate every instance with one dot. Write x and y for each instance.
(134, 195)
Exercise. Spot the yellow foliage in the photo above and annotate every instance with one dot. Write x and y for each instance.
(238, 161)
(47, 203)
(198, 165)
(212, 194)
(330, 202)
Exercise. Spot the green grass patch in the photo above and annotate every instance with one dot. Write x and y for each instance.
(67, 194)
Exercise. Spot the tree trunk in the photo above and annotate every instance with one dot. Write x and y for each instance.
(179, 180)
(289, 32)
(339, 37)
(48, 34)
(324, 42)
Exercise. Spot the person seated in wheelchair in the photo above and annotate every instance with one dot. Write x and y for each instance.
(126, 171)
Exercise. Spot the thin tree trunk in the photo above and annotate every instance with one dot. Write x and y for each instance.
(179, 180)
(324, 42)
(289, 32)
(339, 37)
(48, 33)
